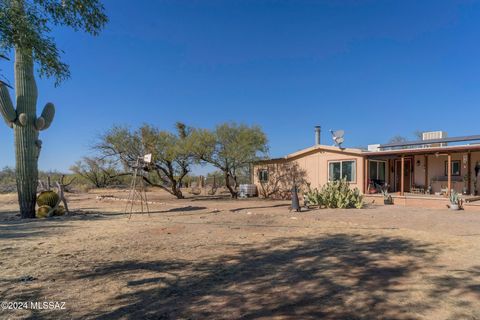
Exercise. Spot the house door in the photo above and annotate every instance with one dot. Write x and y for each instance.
(407, 175)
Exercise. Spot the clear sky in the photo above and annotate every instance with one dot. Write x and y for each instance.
(373, 68)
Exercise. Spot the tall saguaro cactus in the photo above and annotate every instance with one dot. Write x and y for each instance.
(25, 28)
(26, 126)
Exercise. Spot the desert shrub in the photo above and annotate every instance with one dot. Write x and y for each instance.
(334, 194)
(281, 179)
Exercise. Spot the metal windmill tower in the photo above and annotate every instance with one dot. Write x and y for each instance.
(137, 192)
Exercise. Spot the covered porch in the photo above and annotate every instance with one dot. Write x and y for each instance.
(424, 172)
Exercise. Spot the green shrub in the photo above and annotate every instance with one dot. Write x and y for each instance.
(334, 194)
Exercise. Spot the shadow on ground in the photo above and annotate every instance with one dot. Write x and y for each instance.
(336, 276)
(30, 228)
(261, 207)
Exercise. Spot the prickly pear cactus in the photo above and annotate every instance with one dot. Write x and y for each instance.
(42, 212)
(26, 126)
(47, 198)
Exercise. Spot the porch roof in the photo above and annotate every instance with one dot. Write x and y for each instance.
(430, 150)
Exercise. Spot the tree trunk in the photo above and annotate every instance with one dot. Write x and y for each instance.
(176, 191)
(233, 191)
(27, 145)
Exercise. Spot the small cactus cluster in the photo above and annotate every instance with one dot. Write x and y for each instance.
(47, 211)
(48, 205)
(43, 211)
(48, 198)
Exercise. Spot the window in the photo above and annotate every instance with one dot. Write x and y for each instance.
(342, 169)
(263, 175)
(455, 168)
(377, 170)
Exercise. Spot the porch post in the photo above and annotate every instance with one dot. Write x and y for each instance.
(426, 172)
(402, 176)
(387, 174)
(469, 173)
(365, 182)
(449, 174)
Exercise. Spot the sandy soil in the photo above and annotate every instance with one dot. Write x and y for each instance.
(222, 259)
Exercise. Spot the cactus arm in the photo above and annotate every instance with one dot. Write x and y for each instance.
(47, 114)
(22, 119)
(6, 107)
(40, 123)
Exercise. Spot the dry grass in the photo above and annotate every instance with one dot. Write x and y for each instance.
(222, 259)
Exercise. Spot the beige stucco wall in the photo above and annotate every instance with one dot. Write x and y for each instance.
(475, 158)
(315, 165)
(436, 170)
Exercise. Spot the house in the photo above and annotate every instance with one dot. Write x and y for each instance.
(416, 172)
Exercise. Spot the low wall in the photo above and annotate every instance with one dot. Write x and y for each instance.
(420, 202)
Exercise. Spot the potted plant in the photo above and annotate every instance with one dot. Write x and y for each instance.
(429, 189)
(465, 184)
(454, 200)
(387, 198)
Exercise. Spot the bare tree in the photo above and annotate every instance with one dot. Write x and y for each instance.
(281, 177)
(99, 172)
(397, 139)
(418, 134)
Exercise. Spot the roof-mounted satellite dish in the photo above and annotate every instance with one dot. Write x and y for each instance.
(337, 137)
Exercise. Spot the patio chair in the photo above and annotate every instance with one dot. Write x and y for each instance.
(443, 190)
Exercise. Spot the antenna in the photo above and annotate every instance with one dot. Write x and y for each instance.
(337, 137)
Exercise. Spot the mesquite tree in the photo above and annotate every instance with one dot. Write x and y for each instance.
(25, 29)
(232, 148)
(171, 158)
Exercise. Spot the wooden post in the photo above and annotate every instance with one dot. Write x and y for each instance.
(449, 174)
(402, 176)
(387, 173)
(469, 173)
(365, 183)
(426, 172)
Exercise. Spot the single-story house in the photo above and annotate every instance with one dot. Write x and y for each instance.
(427, 169)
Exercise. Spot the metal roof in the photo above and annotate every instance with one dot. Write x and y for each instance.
(432, 150)
(431, 141)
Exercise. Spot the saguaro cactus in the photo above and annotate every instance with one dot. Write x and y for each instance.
(26, 126)
(25, 26)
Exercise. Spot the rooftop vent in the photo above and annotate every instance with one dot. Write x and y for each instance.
(317, 135)
(432, 135)
(373, 147)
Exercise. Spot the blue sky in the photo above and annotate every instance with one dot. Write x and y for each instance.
(373, 68)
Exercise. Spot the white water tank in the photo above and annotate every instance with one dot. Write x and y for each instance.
(247, 190)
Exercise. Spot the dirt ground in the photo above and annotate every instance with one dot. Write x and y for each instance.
(203, 258)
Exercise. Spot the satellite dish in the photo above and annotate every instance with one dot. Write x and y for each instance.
(338, 133)
(337, 137)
